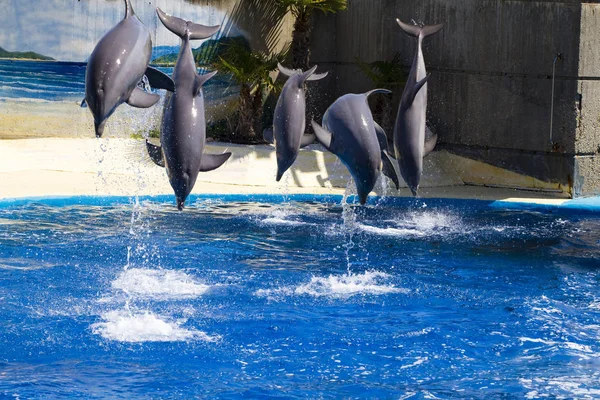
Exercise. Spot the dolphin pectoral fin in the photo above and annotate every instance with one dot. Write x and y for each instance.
(183, 28)
(155, 153)
(286, 71)
(323, 135)
(415, 89)
(389, 169)
(83, 104)
(430, 145)
(268, 136)
(159, 80)
(201, 80)
(140, 99)
(381, 137)
(307, 139)
(210, 162)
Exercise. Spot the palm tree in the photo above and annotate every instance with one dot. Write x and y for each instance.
(251, 71)
(389, 75)
(302, 10)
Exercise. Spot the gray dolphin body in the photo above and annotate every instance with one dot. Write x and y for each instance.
(409, 131)
(183, 129)
(289, 121)
(350, 132)
(116, 66)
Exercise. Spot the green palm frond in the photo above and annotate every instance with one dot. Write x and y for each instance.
(300, 7)
(384, 74)
(247, 67)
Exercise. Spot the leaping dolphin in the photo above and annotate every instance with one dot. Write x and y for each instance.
(183, 128)
(350, 132)
(116, 66)
(289, 120)
(409, 131)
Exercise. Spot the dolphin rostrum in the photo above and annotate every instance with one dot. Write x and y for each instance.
(350, 133)
(116, 66)
(289, 120)
(409, 131)
(183, 129)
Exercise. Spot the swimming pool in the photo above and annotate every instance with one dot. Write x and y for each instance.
(297, 297)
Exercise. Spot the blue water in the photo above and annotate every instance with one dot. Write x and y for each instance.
(65, 81)
(244, 298)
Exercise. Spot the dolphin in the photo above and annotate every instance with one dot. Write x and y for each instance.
(409, 131)
(116, 66)
(289, 120)
(349, 132)
(183, 128)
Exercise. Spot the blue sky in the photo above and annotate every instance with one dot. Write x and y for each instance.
(69, 29)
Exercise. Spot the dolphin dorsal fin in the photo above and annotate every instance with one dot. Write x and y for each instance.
(183, 28)
(382, 91)
(128, 9)
(201, 80)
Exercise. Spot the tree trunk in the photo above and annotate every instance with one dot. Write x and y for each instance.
(301, 41)
(257, 109)
(245, 123)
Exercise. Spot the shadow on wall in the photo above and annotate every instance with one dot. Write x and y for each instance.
(262, 21)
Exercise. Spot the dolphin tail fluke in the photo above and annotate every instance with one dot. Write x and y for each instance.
(286, 71)
(128, 9)
(140, 99)
(183, 28)
(201, 80)
(311, 76)
(268, 136)
(159, 80)
(418, 30)
(307, 139)
(430, 144)
(323, 135)
(210, 162)
(388, 168)
(155, 153)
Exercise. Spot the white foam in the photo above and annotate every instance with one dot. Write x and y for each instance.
(338, 286)
(390, 231)
(159, 284)
(281, 221)
(122, 326)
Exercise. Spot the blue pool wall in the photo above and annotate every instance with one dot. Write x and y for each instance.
(588, 206)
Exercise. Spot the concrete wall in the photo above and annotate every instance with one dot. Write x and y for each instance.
(491, 65)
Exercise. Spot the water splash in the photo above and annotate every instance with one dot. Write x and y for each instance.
(337, 286)
(123, 326)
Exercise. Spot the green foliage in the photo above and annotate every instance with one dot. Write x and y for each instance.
(304, 7)
(29, 55)
(247, 67)
(384, 74)
(205, 55)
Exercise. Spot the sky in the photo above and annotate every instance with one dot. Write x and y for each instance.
(68, 30)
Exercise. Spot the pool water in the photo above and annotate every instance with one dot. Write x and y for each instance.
(296, 299)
